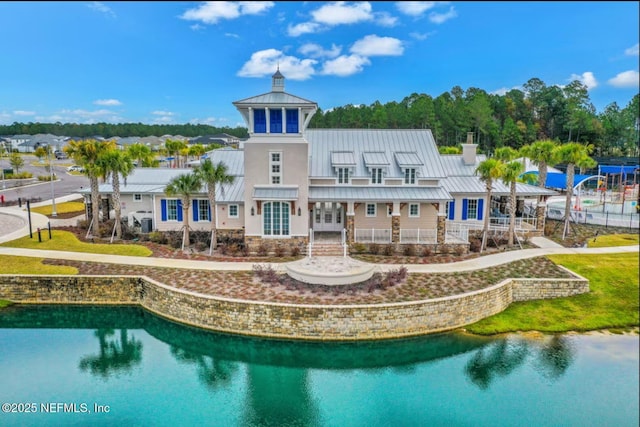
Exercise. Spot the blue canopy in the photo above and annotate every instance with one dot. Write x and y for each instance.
(624, 170)
(559, 180)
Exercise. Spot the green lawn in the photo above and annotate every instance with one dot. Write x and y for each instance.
(4, 303)
(66, 241)
(612, 302)
(27, 265)
(613, 240)
(61, 208)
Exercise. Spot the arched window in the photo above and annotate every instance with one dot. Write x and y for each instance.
(275, 217)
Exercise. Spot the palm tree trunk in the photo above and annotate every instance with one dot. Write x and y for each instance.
(95, 205)
(116, 204)
(185, 216)
(512, 212)
(567, 204)
(487, 210)
(542, 174)
(211, 192)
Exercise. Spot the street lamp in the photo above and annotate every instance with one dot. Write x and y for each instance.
(53, 197)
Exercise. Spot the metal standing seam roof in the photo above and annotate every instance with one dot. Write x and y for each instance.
(454, 165)
(388, 141)
(281, 98)
(375, 158)
(380, 194)
(233, 159)
(342, 158)
(275, 193)
(405, 159)
(473, 185)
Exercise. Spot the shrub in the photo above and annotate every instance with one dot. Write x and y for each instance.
(279, 251)
(295, 251)
(458, 250)
(174, 239)
(359, 248)
(443, 249)
(389, 250)
(263, 249)
(201, 246)
(21, 175)
(410, 250)
(474, 245)
(157, 237)
(374, 248)
(47, 178)
(427, 251)
(266, 273)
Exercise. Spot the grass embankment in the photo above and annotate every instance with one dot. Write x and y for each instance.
(61, 208)
(66, 241)
(613, 240)
(27, 265)
(4, 303)
(612, 302)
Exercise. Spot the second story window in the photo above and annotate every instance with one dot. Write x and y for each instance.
(275, 167)
(343, 175)
(260, 121)
(410, 176)
(376, 176)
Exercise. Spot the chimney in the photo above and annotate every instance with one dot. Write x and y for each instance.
(469, 150)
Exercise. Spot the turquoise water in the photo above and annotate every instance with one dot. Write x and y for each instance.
(146, 371)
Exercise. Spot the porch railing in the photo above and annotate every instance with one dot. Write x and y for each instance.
(372, 235)
(456, 233)
(310, 242)
(418, 235)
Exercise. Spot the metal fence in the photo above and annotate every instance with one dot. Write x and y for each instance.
(418, 235)
(597, 217)
(372, 235)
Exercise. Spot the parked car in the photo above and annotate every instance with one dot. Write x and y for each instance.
(75, 168)
(60, 155)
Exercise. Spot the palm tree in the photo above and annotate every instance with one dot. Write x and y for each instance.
(173, 148)
(184, 186)
(489, 170)
(116, 164)
(211, 175)
(572, 154)
(86, 153)
(542, 153)
(141, 153)
(510, 174)
(197, 150)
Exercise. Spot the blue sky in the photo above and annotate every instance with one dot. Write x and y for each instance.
(180, 62)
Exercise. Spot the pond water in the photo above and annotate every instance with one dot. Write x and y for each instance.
(73, 365)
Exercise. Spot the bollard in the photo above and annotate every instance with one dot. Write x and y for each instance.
(49, 227)
(19, 202)
(39, 236)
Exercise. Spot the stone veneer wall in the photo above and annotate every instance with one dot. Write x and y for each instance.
(291, 321)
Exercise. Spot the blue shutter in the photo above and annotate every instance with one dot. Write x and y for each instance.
(259, 121)
(275, 121)
(452, 209)
(194, 206)
(163, 209)
(480, 208)
(179, 207)
(465, 205)
(292, 121)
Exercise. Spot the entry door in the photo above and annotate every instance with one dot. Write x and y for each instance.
(328, 216)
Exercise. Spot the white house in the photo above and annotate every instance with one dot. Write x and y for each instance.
(291, 182)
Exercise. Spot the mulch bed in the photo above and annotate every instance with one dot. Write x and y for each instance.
(243, 285)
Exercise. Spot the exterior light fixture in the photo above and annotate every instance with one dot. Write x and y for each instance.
(299, 212)
(253, 211)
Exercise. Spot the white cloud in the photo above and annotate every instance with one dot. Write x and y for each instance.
(421, 36)
(196, 27)
(414, 8)
(587, 78)
(316, 51)
(626, 79)
(303, 28)
(341, 12)
(211, 12)
(503, 90)
(345, 65)
(235, 36)
(373, 45)
(265, 62)
(81, 116)
(633, 50)
(107, 102)
(439, 18)
(384, 19)
(24, 113)
(162, 113)
(102, 8)
(206, 121)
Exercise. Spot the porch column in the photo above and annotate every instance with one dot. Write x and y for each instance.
(395, 223)
(350, 222)
(541, 211)
(441, 229)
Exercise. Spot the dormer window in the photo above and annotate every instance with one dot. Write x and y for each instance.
(376, 175)
(410, 176)
(343, 175)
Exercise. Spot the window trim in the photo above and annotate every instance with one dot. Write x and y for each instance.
(342, 173)
(267, 210)
(377, 176)
(205, 203)
(417, 214)
(237, 215)
(137, 197)
(475, 215)
(409, 177)
(375, 210)
(170, 202)
(273, 163)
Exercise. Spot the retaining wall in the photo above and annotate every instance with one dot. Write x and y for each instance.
(291, 321)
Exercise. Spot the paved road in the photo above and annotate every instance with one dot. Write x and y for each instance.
(65, 185)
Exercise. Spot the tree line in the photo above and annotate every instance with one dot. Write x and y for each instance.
(517, 118)
(110, 130)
